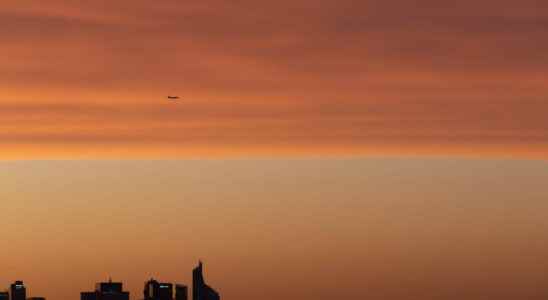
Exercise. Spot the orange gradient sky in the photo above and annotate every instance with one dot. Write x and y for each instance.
(89, 79)
(392, 229)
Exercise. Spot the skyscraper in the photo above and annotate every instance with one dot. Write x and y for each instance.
(155, 290)
(106, 291)
(18, 291)
(200, 290)
(181, 292)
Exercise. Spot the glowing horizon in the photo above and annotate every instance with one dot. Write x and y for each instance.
(363, 228)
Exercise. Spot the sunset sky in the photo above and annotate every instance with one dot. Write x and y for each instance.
(390, 150)
(273, 78)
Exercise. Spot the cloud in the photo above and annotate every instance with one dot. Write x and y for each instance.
(357, 73)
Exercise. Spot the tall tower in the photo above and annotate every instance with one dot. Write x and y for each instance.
(18, 291)
(200, 290)
(197, 282)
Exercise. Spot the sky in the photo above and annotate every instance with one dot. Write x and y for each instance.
(280, 229)
(390, 150)
(273, 78)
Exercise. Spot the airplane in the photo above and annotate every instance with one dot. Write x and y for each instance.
(173, 97)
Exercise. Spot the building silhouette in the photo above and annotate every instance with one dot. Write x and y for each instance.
(106, 291)
(200, 290)
(18, 291)
(181, 292)
(155, 290)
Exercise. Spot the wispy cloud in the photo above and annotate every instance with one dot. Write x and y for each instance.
(360, 74)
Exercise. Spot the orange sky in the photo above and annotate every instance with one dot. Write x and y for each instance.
(380, 229)
(273, 78)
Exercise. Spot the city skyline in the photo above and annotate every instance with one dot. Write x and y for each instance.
(113, 290)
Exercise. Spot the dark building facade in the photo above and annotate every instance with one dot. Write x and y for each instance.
(106, 291)
(200, 290)
(155, 290)
(4, 296)
(18, 291)
(181, 292)
(88, 296)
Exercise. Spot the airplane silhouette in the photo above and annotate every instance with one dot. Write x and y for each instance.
(173, 97)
